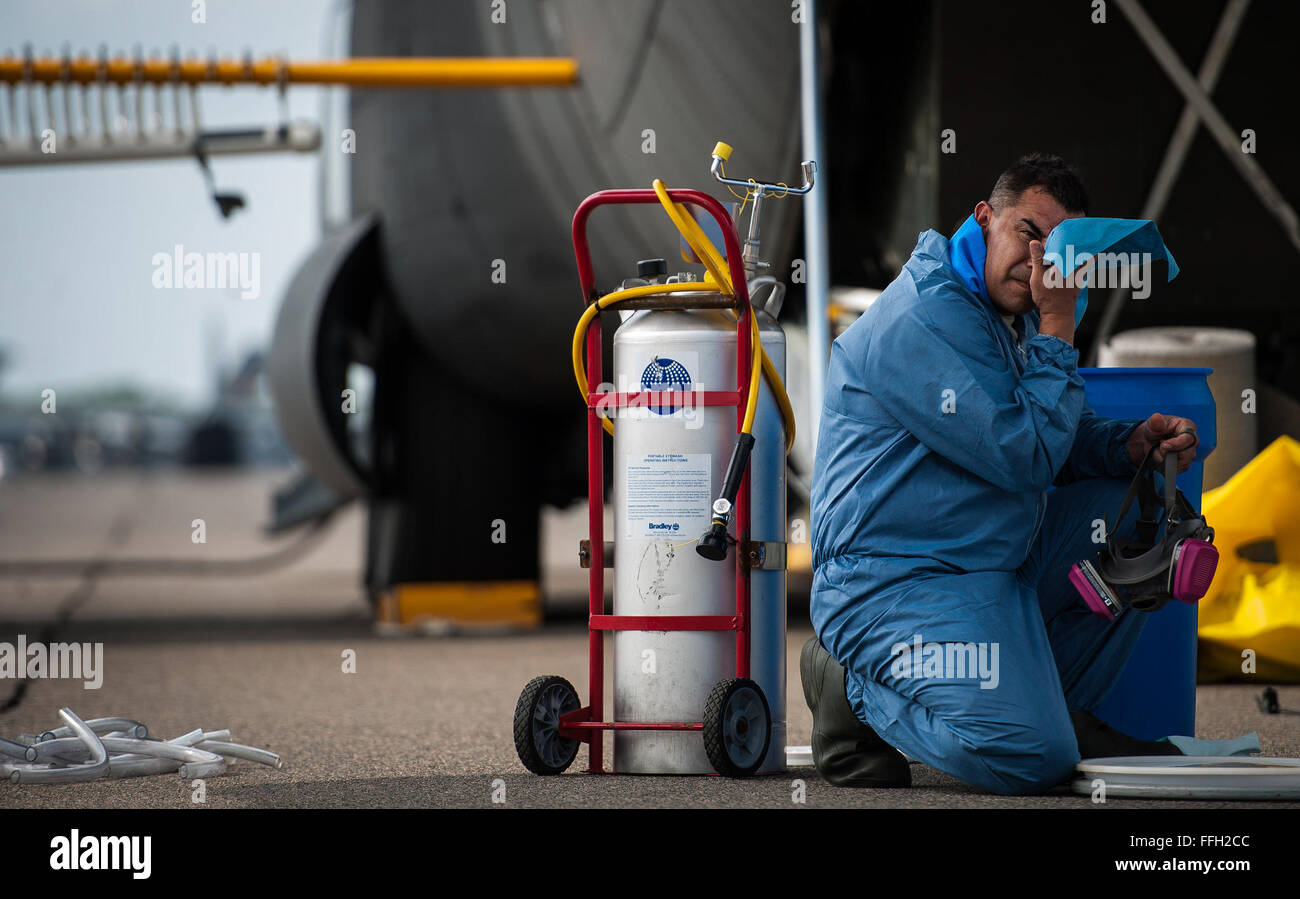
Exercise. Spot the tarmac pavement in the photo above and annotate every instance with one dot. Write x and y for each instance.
(423, 722)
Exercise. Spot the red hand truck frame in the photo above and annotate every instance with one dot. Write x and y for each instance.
(587, 724)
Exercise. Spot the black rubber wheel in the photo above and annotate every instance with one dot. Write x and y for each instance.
(737, 727)
(537, 725)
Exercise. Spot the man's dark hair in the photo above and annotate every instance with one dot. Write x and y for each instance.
(1052, 173)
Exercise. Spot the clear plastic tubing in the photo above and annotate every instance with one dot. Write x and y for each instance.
(197, 736)
(102, 726)
(95, 769)
(65, 749)
(188, 739)
(248, 753)
(60, 751)
(159, 749)
(142, 765)
(70, 750)
(139, 766)
(16, 750)
(207, 769)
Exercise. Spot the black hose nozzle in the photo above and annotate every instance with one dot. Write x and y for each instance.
(713, 543)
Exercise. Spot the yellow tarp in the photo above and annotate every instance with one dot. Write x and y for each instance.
(1255, 605)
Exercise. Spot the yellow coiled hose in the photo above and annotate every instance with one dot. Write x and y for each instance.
(719, 275)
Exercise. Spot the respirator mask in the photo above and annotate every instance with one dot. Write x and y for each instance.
(1144, 574)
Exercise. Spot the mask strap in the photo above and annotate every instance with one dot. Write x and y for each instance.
(1143, 489)
(1171, 485)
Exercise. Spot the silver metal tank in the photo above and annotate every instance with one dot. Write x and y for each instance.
(668, 466)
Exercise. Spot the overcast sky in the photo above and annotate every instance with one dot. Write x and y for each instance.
(78, 307)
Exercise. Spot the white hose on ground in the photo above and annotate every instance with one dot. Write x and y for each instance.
(248, 753)
(102, 726)
(96, 768)
(119, 747)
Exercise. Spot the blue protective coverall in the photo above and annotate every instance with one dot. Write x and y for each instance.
(940, 556)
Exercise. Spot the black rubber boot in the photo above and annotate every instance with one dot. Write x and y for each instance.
(846, 752)
(1098, 740)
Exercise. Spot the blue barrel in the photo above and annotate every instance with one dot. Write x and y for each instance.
(1156, 695)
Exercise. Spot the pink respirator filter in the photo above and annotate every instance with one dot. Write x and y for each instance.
(1195, 562)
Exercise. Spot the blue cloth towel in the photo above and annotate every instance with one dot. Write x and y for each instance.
(1074, 241)
(1247, 744)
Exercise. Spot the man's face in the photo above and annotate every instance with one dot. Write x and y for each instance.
(1007, 233)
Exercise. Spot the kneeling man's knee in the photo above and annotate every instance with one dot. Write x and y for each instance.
(1034, 766)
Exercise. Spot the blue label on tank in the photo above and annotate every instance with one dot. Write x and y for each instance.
(665, 374)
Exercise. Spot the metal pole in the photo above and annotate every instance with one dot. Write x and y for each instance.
(1215, 123)
(297, 137)
(1176, 152)
(358, 72)
(815, 224)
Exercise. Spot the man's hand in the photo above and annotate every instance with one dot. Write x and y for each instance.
(1150, 432)
(1053, 294)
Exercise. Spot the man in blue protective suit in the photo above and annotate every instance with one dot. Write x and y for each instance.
(948, 628)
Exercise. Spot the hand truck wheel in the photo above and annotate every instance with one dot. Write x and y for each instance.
(737, 727)
(537, 725)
